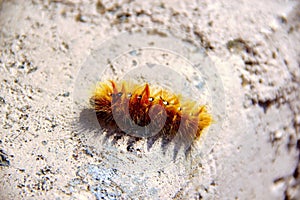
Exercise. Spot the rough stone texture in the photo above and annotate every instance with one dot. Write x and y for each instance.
(255, 46)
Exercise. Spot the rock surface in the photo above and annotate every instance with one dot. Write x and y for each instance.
(255, 48)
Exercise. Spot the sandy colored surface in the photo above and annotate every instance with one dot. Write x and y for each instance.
(251, 152)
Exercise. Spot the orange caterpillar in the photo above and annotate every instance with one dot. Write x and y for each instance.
(131, 106)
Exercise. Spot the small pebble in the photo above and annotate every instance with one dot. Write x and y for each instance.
(2, 100)
(278, 135)
(66, 94)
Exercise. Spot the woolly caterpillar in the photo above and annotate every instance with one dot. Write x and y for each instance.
(148, 111)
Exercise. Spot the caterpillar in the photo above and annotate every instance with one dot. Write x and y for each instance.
(148, 111)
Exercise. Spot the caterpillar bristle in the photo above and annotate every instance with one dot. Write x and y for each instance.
(126, 104)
